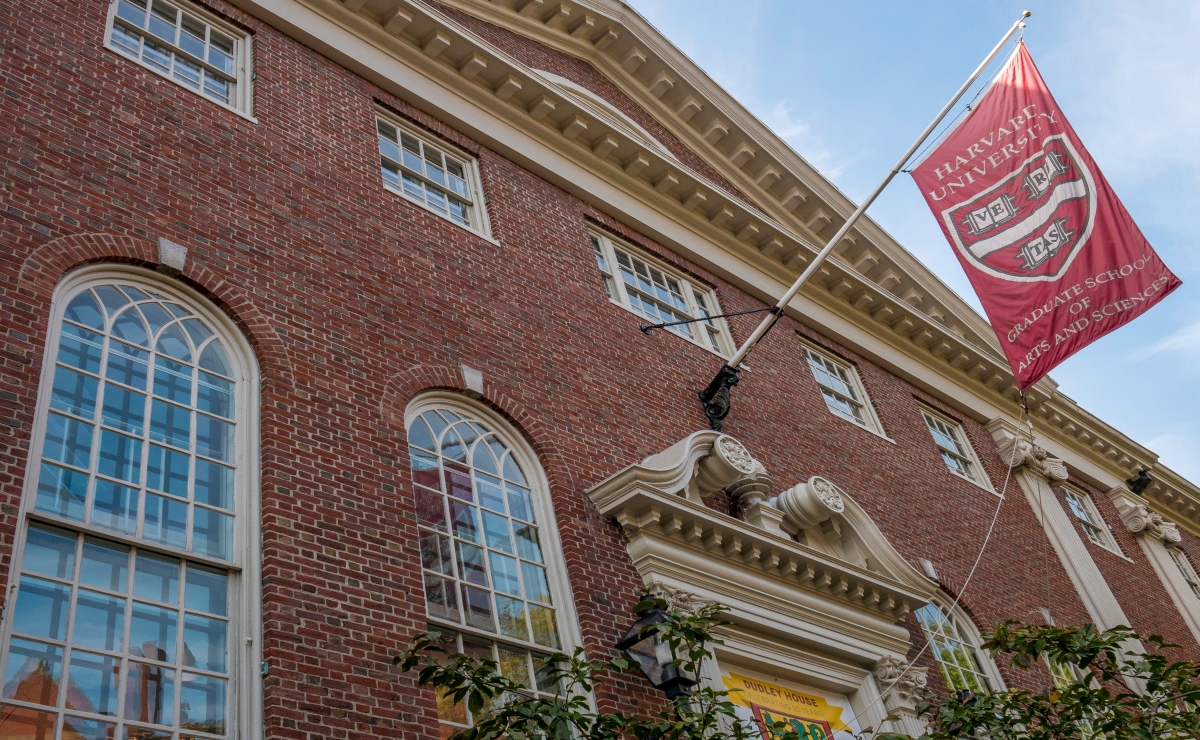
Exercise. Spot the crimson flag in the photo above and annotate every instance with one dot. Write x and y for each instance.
(1056, 260)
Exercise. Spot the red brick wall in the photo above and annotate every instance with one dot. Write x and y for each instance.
(1131, 576)
(355, 300)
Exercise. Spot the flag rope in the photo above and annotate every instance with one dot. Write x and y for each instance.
(987, 538)
(934, 139)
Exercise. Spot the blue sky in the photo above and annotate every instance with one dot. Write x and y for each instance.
(849, 84)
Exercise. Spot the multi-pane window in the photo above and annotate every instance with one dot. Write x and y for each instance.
(431, 175)
(1084, 509)
(1186, 569)
(841, 389)
(955, 449)
(661, 295)
(957, 655)
(122, 623)
(482, 549)
(1064, 675)
(184, 45)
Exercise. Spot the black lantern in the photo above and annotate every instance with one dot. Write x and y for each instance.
(654, 657)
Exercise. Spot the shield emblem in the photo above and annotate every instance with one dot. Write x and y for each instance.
(1030, 225)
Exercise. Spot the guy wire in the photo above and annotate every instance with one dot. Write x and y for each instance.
(935, 138)
(971, 574)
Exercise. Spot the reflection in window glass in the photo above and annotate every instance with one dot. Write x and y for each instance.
(957, 656)
(483, 564)
(660, 295)
(128, 639)
(427, 174)
(952, 444)
(177, 44)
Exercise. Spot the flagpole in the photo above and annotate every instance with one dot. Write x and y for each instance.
(716, 396)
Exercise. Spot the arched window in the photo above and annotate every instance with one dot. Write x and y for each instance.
(489, 549)
(954, 644)
(132, 567)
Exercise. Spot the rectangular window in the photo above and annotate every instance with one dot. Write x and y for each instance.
(433, 175)
(1085, 511)
(1185, 567)
(843, 391)
(955, 449)
(184, 44)
(661, 295)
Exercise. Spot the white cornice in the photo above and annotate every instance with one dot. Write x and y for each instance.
(872, 294)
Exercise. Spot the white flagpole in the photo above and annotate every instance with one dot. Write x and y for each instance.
(716, 396)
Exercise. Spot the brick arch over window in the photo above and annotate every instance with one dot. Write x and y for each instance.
(45, 266)
(402, 387)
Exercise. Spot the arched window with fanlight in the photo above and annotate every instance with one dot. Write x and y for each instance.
(954, 644)
(489, 552)
(132, 584)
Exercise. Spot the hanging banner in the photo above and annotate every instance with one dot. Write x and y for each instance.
(1056, 260)
(776, 708)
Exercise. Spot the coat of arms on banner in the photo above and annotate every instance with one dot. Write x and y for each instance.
(773, 723)
(1031, 224)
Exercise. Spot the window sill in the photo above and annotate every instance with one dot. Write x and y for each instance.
(159, 73)
(856, 425)
(692, 342)
(987, 487)
(1106, 549)
(408, 199)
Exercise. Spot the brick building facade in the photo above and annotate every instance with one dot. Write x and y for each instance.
(244, 432)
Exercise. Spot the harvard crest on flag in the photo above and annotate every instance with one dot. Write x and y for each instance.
(1054, 256)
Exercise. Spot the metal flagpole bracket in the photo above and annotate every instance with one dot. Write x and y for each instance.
(716, 397)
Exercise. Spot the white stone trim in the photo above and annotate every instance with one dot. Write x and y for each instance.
(1155, 536)
(918, 349)
(1034, 470)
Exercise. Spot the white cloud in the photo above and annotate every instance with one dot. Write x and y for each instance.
(1127, 78)
(1185, 339)
(783, 120)
(1179, 450)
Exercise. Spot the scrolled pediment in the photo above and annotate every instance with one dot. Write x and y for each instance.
(752, 566)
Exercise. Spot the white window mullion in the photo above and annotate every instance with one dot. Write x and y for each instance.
(130, 30)
(842, 389)
(955, 449)
(148, 295)
(697, 332)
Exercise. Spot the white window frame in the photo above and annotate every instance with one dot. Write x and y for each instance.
(967, 634)
(849, 376)
(970, 459)
(244, 714)
(561, 592)
(695, 294)
(476, 202)
(242, 101)
(1186, 569)
(1083, 508)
